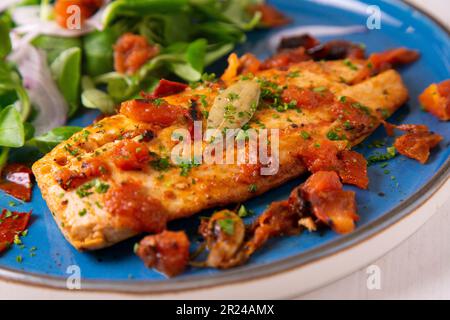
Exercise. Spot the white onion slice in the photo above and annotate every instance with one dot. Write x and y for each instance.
(5, 4)
(40, 86)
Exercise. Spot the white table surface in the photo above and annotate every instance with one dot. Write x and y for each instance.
(419, 268)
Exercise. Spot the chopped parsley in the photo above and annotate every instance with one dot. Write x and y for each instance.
(305, 135)
(350, 64)
(82, 212)
(333, 135)
(252, 188)
(379, 157)
(160, 164)
(244, 212)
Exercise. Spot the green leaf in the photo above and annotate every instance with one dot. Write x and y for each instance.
(46, 142)
(195, 54)
(54, 46)
(97, 99)
(5, 47)
(66, 70)
(11, 128)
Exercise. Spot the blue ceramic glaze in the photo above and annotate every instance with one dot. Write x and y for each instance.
(401, 26)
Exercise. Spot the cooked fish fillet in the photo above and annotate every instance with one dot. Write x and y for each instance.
(123, 203)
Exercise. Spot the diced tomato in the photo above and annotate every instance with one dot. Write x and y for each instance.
(63, 12)
(417, 145)
(94, 167)
(130, 155)
(306, 98)
(149, 111)
(17, 180)
(167, 88)
(436, 100)
(134, 208)
(330, 204)
(131, 51)
(12, 224)
(248, 63)
(353, 168)
(270, 16)
(285, 58)
(322, 181)
(167, 252)
(320, 156)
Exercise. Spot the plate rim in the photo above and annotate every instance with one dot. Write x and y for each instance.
(252, 273)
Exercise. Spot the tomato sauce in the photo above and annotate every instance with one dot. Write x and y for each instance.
(135, 209)
(306, 98)
(17, 180)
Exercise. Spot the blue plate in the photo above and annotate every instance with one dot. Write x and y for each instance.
(394, 191)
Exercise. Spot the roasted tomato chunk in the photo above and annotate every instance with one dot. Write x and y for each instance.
(305, 40)
(417, 145)
(353, 168)
(94, 167)
(17, 180)
(320, 156)
(130, 155)
(330, 204)
(285, 58)
(436, 100)
(270, 16)
(87, 9)
(337, 49)
(139, 212)
(167, 252)
(153, 111)
(68, 179)
(166, 88)
(131, 52)
(12, 224)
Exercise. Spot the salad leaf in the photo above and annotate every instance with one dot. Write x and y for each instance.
(46, 142)
(11, 86)
(66, 70)
(11, 128)
(5, 48)
(141, 8)
(55, 46)
(97, 99)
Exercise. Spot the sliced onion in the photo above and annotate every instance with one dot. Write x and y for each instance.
(40, 86)
(5, 4)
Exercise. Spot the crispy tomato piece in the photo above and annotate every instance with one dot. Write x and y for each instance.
(417, 145)
(131, 51)
(285, 58)
(330, 204)
(248, 63)
(270, 16)
(167, 88)
(353, 168)
(337, 49)
(130, 155)
(320, 156)
(17, 180)
(436, 100)
(153, 111)
(304, 40)
(63, 11)
(134, 208)
(306, 98)
(68, 179)
(167, 252)
(12, 224)
(94, 167)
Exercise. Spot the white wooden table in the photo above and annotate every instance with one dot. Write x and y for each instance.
(417, 269)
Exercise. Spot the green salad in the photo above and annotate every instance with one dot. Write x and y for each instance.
(49, 71)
